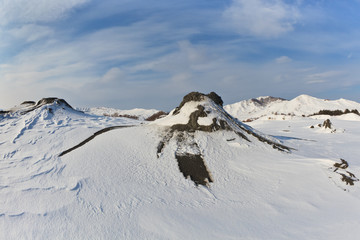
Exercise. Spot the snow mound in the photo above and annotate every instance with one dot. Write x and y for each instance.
(200, 112)
(51, 104)
(204, 113)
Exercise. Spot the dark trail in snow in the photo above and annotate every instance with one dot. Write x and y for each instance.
(91, 138)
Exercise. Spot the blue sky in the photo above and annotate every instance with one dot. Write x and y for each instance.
(149, 54)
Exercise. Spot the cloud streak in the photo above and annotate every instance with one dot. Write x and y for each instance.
(33, 11)
(261, 18)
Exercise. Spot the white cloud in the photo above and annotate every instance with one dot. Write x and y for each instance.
(262, 18)
(33, 11)
(283, 59)
(327, 74)
(31, 32)
(322, 77)
(114, 74)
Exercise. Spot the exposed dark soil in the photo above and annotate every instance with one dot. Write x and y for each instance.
(349, 178)
(193, 125)
(343, 165)
(327, 124)
(267, 100)
(91, 138)
(193, 166)
(197, 97)
(157, 115)
(28, 103)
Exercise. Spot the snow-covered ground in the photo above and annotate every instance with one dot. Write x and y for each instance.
(116, 186)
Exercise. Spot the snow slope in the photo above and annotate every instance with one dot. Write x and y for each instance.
(301, 105)
(119, 186)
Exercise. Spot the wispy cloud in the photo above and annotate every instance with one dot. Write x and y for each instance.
(322, 77)
(262, 18)
(31, 32)
(33, 11)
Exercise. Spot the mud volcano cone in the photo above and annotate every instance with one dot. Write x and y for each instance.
(203, 113)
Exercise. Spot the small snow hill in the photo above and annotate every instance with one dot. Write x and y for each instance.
(302, 105)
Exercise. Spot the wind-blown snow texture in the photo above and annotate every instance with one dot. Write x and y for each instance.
(116, 186)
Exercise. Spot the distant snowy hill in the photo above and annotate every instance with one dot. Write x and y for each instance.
(198, 173)
(299, 106)
(137, 113)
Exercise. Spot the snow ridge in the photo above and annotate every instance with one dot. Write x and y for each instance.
(303, 105)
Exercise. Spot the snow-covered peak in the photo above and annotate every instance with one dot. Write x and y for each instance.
(303, 105)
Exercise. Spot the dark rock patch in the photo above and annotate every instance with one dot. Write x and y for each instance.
(343, 165)
(190, 161)
(216, 98)
(156, 116)
(197, 97)
(28, 103)
(193, 124)
(347, 177)
(193, 166)
(51, 100)
(265, 101)
(327, 124)
(230, 140)
(348, 180)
